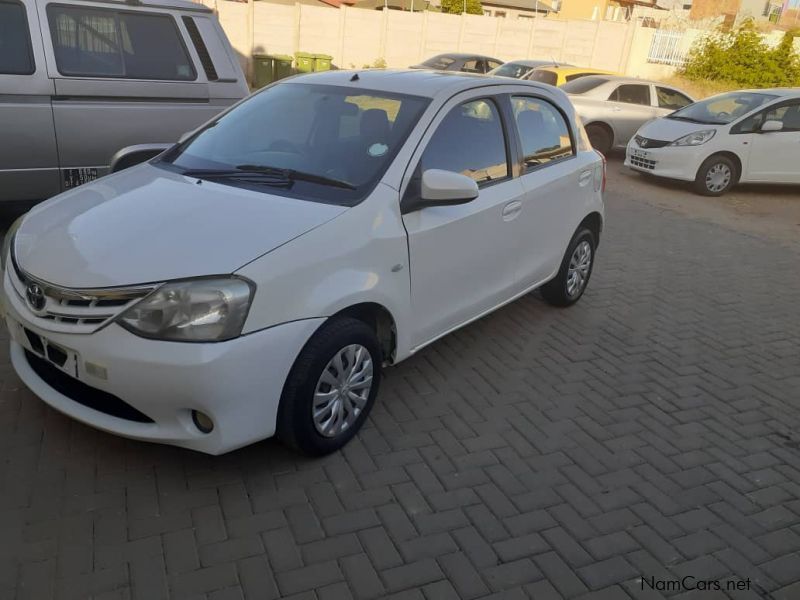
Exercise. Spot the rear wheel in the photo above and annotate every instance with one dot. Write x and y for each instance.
(600, 138)
(715, 176)
(331, 387)
(567, 287)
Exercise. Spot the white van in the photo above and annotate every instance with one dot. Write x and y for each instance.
(79, 80)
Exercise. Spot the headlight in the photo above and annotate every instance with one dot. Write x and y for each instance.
(695, 139)
(9, 237)
(197, 310)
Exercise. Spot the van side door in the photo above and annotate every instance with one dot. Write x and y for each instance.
(123, 76)
(28, 157)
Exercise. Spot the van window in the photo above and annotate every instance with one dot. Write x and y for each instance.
(16, 57)
(121, 44)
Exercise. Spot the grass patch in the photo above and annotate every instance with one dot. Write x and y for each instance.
(700, 89)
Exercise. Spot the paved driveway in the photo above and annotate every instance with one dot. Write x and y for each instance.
(650, 432)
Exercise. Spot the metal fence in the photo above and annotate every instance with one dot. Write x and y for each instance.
(667, 48)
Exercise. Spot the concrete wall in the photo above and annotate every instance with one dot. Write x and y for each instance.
(356, 37)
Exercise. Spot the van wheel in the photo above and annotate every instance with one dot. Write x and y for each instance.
(331, 387)
(600, 138)
(715, 176)
(570, 282)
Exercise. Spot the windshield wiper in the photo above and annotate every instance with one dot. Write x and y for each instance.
(275, 179)
(294, 175)
(267, 175)
(698, 121)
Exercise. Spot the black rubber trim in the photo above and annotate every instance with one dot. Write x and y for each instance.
(202, 50)
(81, 393)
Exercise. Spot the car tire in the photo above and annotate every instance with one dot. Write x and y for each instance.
(569, 284)
(600, 138)
(319, 387)
(716, 176)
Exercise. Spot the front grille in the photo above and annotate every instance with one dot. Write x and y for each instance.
(83, 394)
(644, 142)
(75, 310)
(643, 163)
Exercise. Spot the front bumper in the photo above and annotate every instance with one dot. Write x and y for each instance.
(237, 383)
(672, 162)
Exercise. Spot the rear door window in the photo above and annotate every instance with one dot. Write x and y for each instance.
(121, 44)
(632, 94)
(16, 56)
(543, 131)
(672, 99)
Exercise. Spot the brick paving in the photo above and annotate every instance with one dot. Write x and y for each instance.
(651, 432)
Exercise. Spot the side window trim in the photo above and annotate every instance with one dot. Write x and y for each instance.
(522, 169)
(28, 40)
(116, 12)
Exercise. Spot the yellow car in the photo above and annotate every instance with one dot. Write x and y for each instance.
(558, 76)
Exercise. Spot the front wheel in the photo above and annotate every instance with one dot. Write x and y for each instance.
(570, 282)
(715, 176)
(331, 387)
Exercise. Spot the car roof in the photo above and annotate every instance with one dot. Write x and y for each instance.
(525, 62)
(781, 92)
(175, 4)
(415, 82)
(573, 70)
(461, 55)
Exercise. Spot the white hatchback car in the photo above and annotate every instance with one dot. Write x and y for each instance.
(254, 278)
(744, 136)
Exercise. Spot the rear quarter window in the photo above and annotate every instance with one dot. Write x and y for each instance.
(16, 56)
(544, 76)
(91, 42)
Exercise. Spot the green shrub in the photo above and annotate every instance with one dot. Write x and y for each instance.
(742, 58)
(456, 7)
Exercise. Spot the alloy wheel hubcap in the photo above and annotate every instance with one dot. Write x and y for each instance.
(579, 265)
(718, 177)
(342, 390)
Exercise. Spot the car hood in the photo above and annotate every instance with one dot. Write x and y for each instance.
(147, 224)
(669, 130)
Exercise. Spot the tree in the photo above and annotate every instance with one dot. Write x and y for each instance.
(456, 7)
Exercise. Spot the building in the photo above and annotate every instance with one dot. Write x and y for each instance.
(516, 9)
(602, 10)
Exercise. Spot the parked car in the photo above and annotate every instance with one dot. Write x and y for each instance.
(254, 278)
(81, 80)
(519, 69)
(561, 74)
(613, 108)
(468, 63)
(743, 136)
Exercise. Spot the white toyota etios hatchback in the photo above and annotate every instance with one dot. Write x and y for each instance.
(746, 136)
(254, 278)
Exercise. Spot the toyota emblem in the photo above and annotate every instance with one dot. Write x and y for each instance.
(34, 294)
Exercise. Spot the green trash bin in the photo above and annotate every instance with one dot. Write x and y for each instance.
(263, 70)
(304, 61)
(322, 62)
(283, 66)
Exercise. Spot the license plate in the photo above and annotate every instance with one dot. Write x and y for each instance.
(640, 154)
(57, 355)
(75, 177)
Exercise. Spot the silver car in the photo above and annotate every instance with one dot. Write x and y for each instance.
(81, 80)
(613, 108)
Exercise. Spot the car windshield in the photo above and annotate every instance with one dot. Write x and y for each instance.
(583, 84)
(721, 109)
(515, 70)
(544, 76)
(315, 142)
(439, 62)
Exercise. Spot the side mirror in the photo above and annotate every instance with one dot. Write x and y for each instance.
(445, 188)
(772, 125)
(133, 155)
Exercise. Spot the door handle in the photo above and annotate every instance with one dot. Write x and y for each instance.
(585, 178)
(511, 210)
